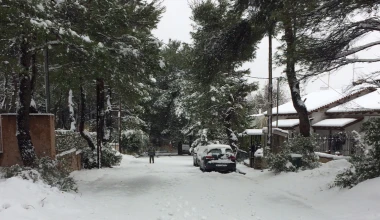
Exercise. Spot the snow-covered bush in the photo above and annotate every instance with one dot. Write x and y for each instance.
(110, 157)
(67, 140)
(366, 163)
(47, 170)
(283, 161)
(134, 141)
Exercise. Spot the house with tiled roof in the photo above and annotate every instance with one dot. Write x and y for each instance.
(331, 112)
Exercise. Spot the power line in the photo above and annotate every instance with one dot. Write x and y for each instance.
(255, 77)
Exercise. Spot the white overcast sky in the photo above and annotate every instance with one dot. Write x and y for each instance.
(176, 24)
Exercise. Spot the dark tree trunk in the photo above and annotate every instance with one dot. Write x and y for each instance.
(99, 117)
(82, 119)
(294, 84)
(5, 102)
(228, 125)
(25, 144)
(57, 105)
(12, 106)
(71, 111)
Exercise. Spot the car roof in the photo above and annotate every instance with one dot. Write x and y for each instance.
(213, 146)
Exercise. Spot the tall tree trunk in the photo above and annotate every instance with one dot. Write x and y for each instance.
(232, 139)
(33, 107)
(294, 84)
(57, 105)
(83, 117)
(13, 104)
(108, 118)
(99, 117)
(25, 144)
(5, 102)
(71, 110)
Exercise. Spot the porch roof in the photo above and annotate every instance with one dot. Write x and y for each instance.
(287, 123)
(253, 132)
(336, 122)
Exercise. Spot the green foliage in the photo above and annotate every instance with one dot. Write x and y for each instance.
(51, 172)
(366, 165)
(222, 42)
(165, 111)
(283, 161)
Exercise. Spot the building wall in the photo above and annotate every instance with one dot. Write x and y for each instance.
(41, 131)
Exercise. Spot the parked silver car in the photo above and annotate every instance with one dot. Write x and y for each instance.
(217, 158)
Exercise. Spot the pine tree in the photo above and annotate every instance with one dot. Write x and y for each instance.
(221, 44)
(26, 25)
(332, 43)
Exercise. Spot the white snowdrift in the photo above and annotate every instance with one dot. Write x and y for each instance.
(174, 189)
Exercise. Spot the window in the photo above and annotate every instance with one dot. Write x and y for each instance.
(215, 151)
(228, 150)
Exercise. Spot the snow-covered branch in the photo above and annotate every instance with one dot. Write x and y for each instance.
(357, 49)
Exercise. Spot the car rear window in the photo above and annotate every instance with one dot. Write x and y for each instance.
(215, 151)
(228, 150)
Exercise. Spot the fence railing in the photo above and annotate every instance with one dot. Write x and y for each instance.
(341, 144)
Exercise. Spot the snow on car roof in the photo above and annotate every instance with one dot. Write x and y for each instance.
(218, 146)
(369, 102)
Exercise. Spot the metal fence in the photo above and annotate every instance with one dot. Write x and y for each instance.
(341, 144)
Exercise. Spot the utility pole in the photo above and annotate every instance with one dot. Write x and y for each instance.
(277, 99)
(119, 124)
(99, 118)
(47, 82)
(270, 91)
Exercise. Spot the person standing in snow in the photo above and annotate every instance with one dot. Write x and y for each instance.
(151, 153)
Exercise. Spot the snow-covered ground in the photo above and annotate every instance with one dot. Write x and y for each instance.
(173, 189)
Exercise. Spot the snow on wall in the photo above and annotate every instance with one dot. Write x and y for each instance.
(331, 156)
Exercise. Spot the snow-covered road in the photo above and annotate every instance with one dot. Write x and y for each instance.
(173, 189)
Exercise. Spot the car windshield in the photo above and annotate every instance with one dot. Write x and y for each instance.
(228, 150)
